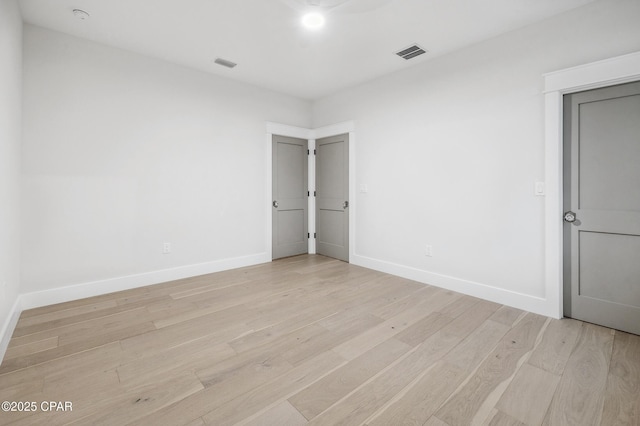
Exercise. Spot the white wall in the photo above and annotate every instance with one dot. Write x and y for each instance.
(10, 128)
(123, 153)
(450, 151)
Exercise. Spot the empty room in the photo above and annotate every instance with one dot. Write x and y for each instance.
(323, 212)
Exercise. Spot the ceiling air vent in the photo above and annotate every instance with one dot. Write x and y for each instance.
(411, 52)
(225, 63)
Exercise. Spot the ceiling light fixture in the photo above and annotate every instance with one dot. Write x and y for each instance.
(313, 21)
(81, 14)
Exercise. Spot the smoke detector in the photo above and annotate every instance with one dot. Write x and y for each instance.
(81, 14)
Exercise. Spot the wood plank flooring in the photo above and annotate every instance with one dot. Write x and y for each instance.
(311, 340)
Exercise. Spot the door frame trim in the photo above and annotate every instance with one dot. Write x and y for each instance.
(310, 135)
(608, 72)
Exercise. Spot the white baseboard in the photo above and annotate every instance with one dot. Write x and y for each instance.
(522, 301)
(80, 291)
(8, 327)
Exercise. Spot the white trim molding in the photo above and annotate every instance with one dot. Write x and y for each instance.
(95, 288)
(333, 130)
(608, 72)
(311, 205)
(618, 70)
(521, 301)
(290, 131)
(9, 325)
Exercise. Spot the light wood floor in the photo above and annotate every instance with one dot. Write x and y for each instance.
(311, 340)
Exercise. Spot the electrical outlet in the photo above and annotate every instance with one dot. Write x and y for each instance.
(166, 248)
(429, 250)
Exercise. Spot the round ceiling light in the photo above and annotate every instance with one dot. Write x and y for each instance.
(313, 21)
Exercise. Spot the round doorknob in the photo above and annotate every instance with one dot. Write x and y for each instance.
(275, 204)
(569, 217)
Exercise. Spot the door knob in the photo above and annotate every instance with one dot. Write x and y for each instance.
(275, 204)
(569, 217)
(345, 205)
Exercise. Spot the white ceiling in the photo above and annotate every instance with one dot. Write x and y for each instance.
(270, 46)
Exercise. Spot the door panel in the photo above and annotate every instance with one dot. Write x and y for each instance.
(332, 197)
(609, 152)
(602, 186)
(290, 212)
(332, 224)
(332, 169)
(291, 224)
(291, 164)
(610, 258)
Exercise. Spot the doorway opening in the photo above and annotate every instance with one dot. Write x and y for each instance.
(608, 72)
(319, 218)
